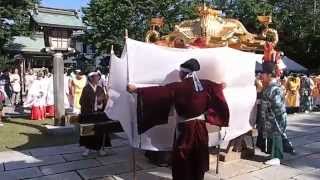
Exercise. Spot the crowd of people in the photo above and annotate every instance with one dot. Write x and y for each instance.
(10, 89)
(277, 96)
(301, 91)
(87, 95)
(10, 85)
(38, 94)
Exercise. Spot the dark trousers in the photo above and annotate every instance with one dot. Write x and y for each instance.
(190, 158)
(95, 141)
(15, 98)
(159, 158)
(261, 143)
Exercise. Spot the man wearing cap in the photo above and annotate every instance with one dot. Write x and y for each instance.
(93, 101)
(195, 102)
(273, 115)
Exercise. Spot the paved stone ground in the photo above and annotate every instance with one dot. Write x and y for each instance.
(66, 162)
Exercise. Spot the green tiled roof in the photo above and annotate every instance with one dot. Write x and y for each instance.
(34, 44)
(57, 18)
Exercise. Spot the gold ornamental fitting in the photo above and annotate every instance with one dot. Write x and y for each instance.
(265, 20)
(152, 36)
(205, 11)
(159, 21)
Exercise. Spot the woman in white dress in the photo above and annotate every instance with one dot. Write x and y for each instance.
(67, 94)
(36, 98)
(49, 97)
(16, 86)
(30, 77)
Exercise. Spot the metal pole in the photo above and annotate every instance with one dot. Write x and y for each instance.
(218, 155)
(109, 75)
(126, 34)
(58, 87)
(24, 76)
(103, 141)
(266, 145)
(21, 61)
(134, 173)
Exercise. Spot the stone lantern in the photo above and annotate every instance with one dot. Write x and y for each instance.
(58, 26)
(57, 41)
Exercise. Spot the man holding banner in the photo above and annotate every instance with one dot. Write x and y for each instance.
(195, 102)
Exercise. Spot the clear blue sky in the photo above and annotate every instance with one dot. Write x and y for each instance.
(65, 4)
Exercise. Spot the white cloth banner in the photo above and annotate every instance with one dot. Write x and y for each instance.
(146, 64)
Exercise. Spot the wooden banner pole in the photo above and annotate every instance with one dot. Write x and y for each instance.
(134, 173)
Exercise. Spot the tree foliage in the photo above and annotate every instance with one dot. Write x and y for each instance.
(297, 21)
(14, 19)
(109, 18)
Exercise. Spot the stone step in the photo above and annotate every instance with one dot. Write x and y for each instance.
(60, 130)
(33, 162)
(21, 174)
(63, 176)
(70, 166)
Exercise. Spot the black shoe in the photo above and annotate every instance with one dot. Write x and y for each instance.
(293, 152)
(290, 151)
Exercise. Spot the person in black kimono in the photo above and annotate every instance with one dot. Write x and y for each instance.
(196, 103)
(93, 101)
(5, 79)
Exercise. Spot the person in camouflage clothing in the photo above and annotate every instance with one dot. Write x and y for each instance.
(273, 120)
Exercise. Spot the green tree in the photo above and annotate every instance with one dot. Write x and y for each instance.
(14, 19)
(297, 21)
(108, 19)
(248, 10)
(298, 24)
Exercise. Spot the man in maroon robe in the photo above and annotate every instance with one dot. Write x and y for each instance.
(196, 102)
